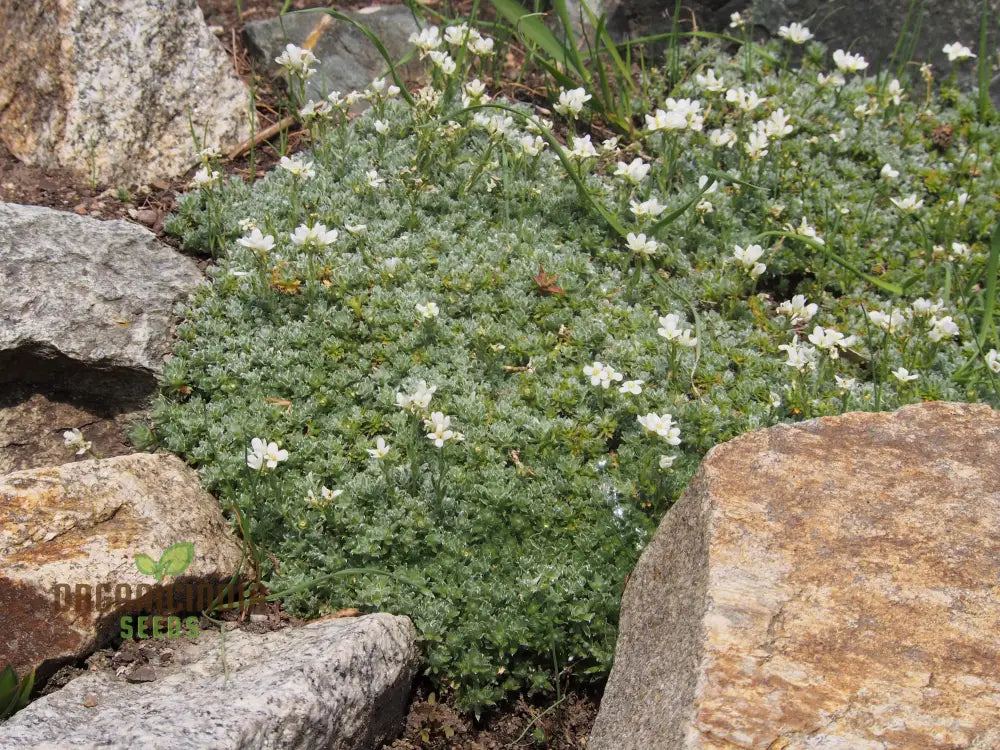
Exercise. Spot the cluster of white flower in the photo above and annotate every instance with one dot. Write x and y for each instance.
(830, 340)
(849, 63)
(418, 401)
(264, 456)
(325, 496)
(956, 52)
(602, 375)
(440, 430)
(797, 310)
(297, 61)
(749, 257)
(297, 166)
(800, 356)
(671, 329)
(74, 439)
(662, 425)
(680, 114)
(634, 171)
(427, 310)
(315, 237)
(571, 102)
(638, 243)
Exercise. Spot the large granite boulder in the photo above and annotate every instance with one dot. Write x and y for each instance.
(348, 61)
(111, 90)
(338, 684)
(85, 300)
(69, 537)
(829, 584)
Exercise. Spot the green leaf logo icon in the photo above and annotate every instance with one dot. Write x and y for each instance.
(175, 560)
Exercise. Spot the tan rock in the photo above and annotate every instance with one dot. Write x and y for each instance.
(113, 90)
(69, 537)
(830, 584)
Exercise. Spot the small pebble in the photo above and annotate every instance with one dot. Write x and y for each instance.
(89, 700)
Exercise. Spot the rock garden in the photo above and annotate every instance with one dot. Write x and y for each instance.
(477, 376)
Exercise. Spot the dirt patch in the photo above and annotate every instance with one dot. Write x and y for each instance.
(562, 724)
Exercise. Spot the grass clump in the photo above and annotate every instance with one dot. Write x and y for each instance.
(446, 346)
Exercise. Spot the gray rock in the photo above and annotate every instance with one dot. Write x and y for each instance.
(829, 584)
(85, 300)
(69, 537)
(111, 89)
(338, 684)
(348, 60)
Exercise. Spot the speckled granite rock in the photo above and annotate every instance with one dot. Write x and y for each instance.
(81, 294)
(83, 524)
(348, 60)
(105, 88)
(829, 584)
(337, 684)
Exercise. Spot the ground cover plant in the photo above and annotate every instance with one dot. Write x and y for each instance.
(451, 366)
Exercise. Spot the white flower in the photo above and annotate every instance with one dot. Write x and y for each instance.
(246, 225)
(797, 311)
(804, 229)
(800, 356)
(957, 51)
(921, 306)
(371, 176)
(909, 204)
(481, 45)
(582, 148)
(457, 35)
(662, 425)
(775, 400)
(845, 383)
(749, 256)
(474, 92)
(355, 228)
(796, 33)
(709, 81)
(666, 462)
(443, 61)
(943, 328)
(638, 243)
(848, 63)
(895, 91)
(830, 340)
(702, 181)
(736, 21)
(959, 250)
(264, 455)
(631, 386)
(428, 310)
(756, 145)
(381, 127)
(257, 241)
(417, 401)
(836, 80)
(602, 375)
(680, 114)
(532, 145)
(904, 376)
(635, 171)
(609, 144)
(724, 137)
(776, 126)
(314, 109)
(571, 102)
(888, 173)
(381, 449)
(74, 439)
(297, 167)
(315, 236)
(297, 60)
(203, 177)
(993, 360)
(747, 101)
(671, 330)
(427, 39)
(648, 208)
(890, 322)
(440, 430)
